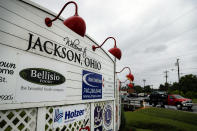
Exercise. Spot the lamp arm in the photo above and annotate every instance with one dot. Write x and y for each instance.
(125, 68)
(124, 81)
(76, 10)
(104, 42)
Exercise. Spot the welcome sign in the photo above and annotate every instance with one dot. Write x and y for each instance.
(42, 66)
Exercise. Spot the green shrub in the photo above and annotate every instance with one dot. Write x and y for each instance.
(177, 92)
(190, 94)
(158, 119)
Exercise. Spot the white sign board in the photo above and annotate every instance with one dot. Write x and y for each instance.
(41, 64)
(36, 78)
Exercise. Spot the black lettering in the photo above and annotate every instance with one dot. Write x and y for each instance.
(84, 52)
(2, 79)
(91, 63)
(70, 55)
(38, 43)
(7, 65)
(30, 41)
(78, 58)
(6, 71)
(6, 97)
(56, 51)
(67, 40)
(64, 52)
(99, 65)
(87, 63)
(12, 65)
(45, 47)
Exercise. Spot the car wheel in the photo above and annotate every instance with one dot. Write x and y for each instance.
(179, 107)
(189, 108)
(154, 104)
(162, 105)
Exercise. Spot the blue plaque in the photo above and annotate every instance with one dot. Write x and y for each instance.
(91, 85)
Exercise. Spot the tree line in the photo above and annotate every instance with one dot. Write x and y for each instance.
(187, 87)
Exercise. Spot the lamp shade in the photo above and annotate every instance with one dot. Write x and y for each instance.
(116, 52)
(130, 85)
(130, 77)
(76, 24)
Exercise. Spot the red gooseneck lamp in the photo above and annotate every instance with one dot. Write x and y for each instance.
(114, 51)
(123, 81)
(75, 23)
(130, 85)
(129, 76)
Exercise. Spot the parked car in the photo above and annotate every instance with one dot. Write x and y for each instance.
(125, 99)
(133, 95)
(162, 98)
(142, 94)
(147, 98)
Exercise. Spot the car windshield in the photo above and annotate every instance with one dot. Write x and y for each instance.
(178, 96)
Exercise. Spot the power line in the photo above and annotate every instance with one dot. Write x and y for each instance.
(189, 68)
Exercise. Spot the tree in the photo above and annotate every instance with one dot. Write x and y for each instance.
(187, 86)
(162, 87)
(147, 89)
(188, 83)
(173, 87)
(138, 89)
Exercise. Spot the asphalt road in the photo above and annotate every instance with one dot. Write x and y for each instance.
(194, 108)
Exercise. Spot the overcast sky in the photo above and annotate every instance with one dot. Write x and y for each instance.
(151, 34)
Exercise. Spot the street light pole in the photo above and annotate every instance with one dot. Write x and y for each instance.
(144, 80)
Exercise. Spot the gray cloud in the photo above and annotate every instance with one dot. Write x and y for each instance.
(155, 49)
(151, 34)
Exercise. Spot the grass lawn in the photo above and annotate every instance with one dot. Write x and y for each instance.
(194, 101)
(159, 119)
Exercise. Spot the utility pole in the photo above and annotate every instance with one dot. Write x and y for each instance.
(166, 75)
(177, 64)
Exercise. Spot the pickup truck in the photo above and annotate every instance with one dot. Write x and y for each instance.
(162, 98)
